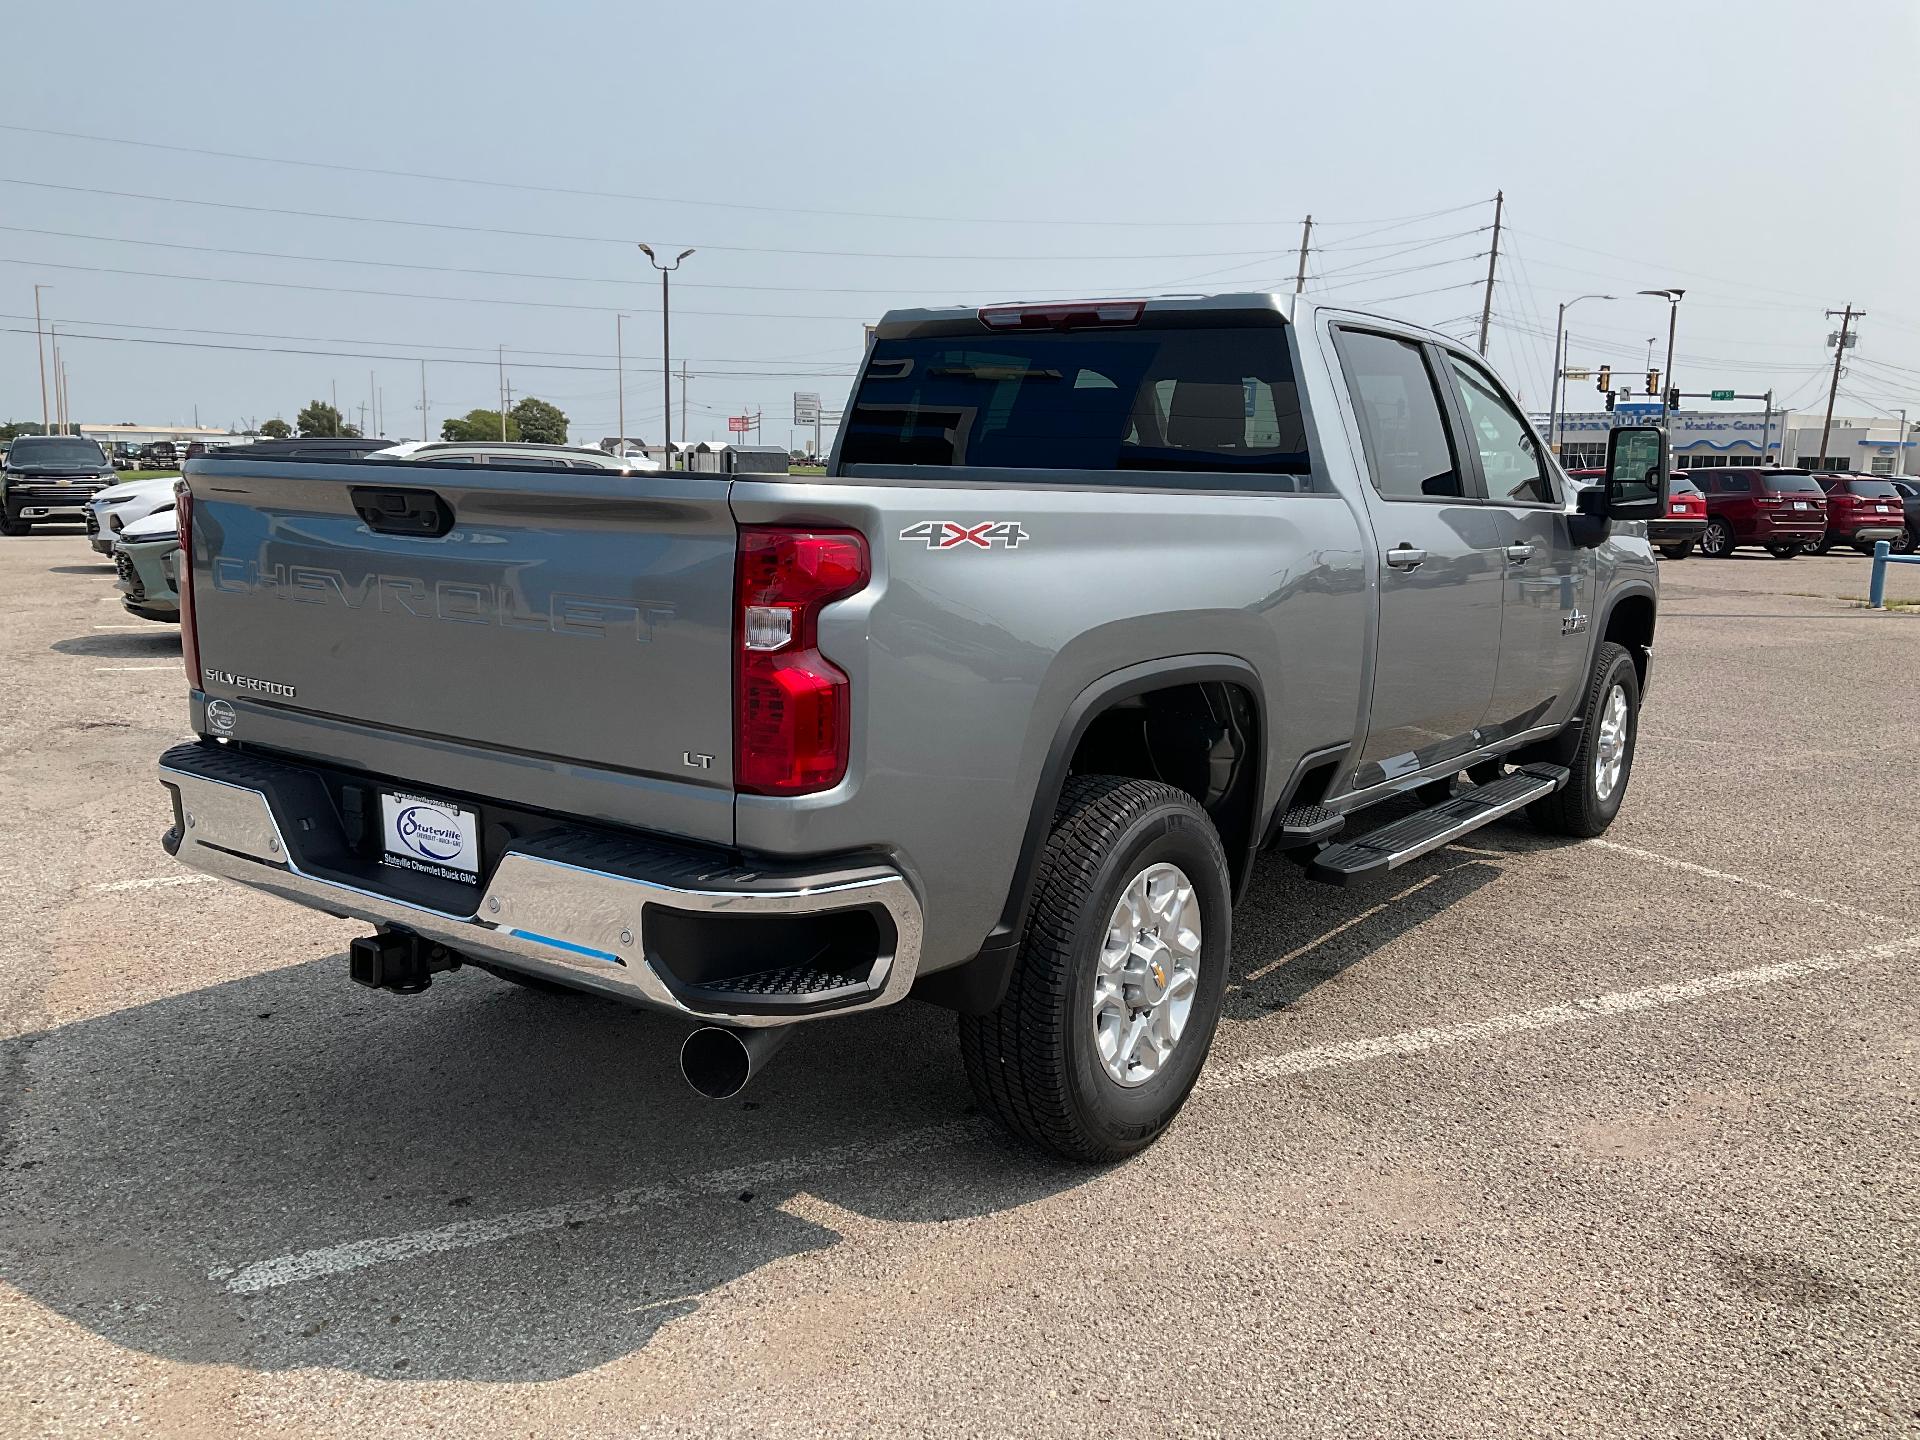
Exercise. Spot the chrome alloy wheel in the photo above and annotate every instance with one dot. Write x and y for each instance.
(1610, 744)
(1147, 974)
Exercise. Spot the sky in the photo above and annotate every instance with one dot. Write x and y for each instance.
(830, 161)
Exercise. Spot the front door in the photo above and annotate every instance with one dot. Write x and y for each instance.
(1441, 568)
(1546, 611)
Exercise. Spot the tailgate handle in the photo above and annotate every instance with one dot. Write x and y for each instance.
(402, 512)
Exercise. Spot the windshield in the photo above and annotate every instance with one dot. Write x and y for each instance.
(1193, 399)
(1777, 484)
(1873, 489)
(56, 450)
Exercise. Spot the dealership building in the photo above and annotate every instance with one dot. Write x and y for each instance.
(1702, 439)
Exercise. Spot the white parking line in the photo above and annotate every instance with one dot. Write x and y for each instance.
(1776, 890)
(155, 882)
(129, 669)
(354, 1255)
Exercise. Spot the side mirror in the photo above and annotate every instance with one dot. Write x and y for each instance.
(1636, 486)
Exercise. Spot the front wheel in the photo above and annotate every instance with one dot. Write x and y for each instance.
(1820, 546)
(1716, 541)
(1677, 552)
(1603, 760)
(1904, 543)
(1117, 987)
(10, 526)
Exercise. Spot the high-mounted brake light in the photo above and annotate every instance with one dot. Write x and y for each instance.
(183, 582)
(791, 711)
(1063, 315)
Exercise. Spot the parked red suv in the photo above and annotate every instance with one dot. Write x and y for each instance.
(1860, 510)
(1784, 510)
(1676, 532)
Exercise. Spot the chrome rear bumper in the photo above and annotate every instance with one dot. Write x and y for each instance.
(574, 921)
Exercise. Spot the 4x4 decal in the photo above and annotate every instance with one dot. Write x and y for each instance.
(951, 534)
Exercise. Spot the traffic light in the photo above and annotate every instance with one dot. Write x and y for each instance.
(1673, 398)
(1605, 382)
(1653, 382)
(1609, 399)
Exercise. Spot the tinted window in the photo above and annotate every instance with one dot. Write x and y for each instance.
(1185, 399)
(56, 450)
(1792, 485)
(1510, 457)
(1681, 485)
(1400, 426)
(1873, 489)
(1736, 485)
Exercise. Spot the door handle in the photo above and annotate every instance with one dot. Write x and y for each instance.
(1519, 554)
(1405, 557)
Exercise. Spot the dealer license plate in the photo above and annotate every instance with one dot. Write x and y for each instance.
(1803, 504)
(430, 836)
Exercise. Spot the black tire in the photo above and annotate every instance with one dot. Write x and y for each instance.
(1905, 543)
(10, 526)
(1820, 546)
(1784, 551)
(1033, 1061)
(1677, 552)
(1716, 541)
(1578, 808)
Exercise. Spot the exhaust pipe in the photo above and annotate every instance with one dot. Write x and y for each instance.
(718, 1062)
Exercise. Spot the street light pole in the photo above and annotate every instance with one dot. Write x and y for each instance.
(666, 348)
(620, 380)
(1672, 297)
(1559, 366)
(40, 349)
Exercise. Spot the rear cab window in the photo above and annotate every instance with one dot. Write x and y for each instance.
(1195, 398)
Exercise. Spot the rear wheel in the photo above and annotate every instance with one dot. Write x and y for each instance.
(1603, 761)
(1677, 552)
(1716, 541)
(1117, 987)
(1784, 551)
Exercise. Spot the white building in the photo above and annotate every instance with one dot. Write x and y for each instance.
(1703, 439)
(147, 434)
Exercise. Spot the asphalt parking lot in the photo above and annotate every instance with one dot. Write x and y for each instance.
(1603, 1139)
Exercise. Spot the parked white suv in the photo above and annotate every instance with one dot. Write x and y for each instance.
(118, 506)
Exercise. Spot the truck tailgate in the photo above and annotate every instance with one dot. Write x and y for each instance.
(565, 619)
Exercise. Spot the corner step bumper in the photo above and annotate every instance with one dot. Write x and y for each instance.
(1394, 844)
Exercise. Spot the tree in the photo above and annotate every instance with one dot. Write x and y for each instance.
(14, 429)
(320, 418)
(539, 422)
(479, 426)
(276, 429)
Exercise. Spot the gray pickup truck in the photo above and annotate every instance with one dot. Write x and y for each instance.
(1096, 602)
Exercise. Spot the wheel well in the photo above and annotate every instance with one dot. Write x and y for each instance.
(1631, 624)
(1201, 737)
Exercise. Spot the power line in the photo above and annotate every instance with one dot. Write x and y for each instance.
(621, 240)
(587, 193)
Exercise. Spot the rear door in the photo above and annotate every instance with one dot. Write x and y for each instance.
(1545, 601)
(538, 621)
(1440, 571)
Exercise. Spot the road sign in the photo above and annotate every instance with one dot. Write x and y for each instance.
(806, 408)
(1577, 372)
(1721, 395)
(739, 424)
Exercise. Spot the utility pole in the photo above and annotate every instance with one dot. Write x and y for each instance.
(620, 380)
(683, 397)
(1300, 276)
(503, 392)
(373, 395)
(1493, 259)
(423, 401)
(40, 349)
(59, 388)
(1766, 429)
(1847, 317)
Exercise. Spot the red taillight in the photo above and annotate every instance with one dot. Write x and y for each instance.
(1063, 315)
(183, 582)
(791, 702)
